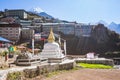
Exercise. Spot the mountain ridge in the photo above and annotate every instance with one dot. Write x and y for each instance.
(44, 14)
(112, 26)
(115, 27)
(40, 12)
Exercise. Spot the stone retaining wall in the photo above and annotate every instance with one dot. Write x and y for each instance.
(51, 67)
(105, 62)
(45, 69)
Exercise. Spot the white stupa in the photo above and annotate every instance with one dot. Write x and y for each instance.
(52, 50)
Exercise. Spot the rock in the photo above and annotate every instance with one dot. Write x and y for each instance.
(100, 34)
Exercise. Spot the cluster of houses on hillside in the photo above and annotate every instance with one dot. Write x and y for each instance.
(15, 26)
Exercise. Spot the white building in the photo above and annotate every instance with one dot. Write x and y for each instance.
(37, 20)
(24, 23)
(83, 30)
(67, 28)
(21, 13)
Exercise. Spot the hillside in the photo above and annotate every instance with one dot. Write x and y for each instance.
(32, 16)
(101, 41)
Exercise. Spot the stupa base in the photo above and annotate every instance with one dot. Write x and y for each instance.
(56, 60)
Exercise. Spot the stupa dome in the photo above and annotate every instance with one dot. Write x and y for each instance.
(52, 45)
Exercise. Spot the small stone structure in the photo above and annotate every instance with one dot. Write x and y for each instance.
(27, 59)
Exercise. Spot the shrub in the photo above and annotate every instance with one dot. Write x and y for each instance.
(14, 76)
(17, 52)
(112, 54)
(3, 65)
(3, 53)
(95, 66)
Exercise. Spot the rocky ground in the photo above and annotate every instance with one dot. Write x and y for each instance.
(87, 74)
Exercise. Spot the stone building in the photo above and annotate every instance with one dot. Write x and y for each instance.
(27, 34)
(8, 20)
(11, 31)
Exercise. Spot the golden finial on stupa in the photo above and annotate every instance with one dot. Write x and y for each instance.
(51, 37)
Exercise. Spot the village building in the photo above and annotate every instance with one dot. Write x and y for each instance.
(11, 31)
(21, 13)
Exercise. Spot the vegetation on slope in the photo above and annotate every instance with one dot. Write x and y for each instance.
(95, 66)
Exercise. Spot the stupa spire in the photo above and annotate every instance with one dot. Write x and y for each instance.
(51, 37)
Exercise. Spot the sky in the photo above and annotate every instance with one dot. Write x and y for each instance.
(82, 11)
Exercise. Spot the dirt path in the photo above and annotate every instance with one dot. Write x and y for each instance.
(88, 74)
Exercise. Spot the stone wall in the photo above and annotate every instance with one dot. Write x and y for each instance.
(45, 69)
(105, 62)
(42, 70)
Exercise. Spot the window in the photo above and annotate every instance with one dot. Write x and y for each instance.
(10, 28)
(6, 28)
(5, 31)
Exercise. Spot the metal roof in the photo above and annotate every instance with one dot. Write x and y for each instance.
(4, 39)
